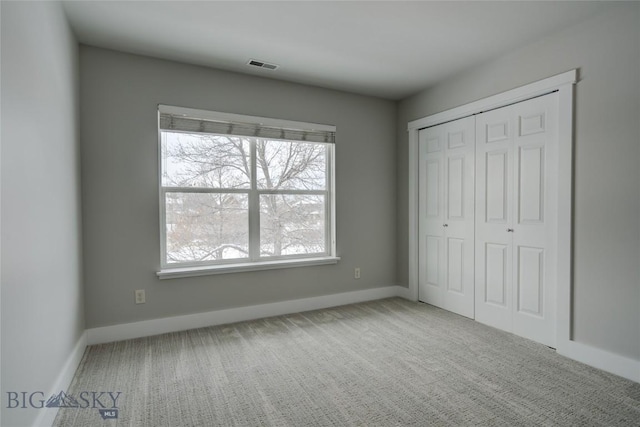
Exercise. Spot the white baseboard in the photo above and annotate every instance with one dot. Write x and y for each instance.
(405, 293)
(219, 317)
(48, 415)
(601, 359)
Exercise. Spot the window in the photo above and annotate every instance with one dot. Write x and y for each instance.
(244, 191)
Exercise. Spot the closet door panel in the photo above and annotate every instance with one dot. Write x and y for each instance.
(496, 277)
(494, 213)
(446, 254)
(455, 187)
(531, 161)
(433, 182)
(496, 183)
(460, 211)
(535, 224)
(516, 219)
(431, 252)
(530, 281)
(455, 265)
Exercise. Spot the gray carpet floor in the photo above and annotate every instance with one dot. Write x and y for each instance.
(382, 363)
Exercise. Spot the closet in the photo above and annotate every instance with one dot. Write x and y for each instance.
(488, 198)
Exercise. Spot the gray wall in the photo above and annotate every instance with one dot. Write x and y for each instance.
(42, 301)
(119, 97)
(606, 49)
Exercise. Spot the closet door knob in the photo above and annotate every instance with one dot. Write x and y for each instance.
(445, 225)
(509, 230)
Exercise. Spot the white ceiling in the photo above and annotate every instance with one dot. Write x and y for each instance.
(389, 49)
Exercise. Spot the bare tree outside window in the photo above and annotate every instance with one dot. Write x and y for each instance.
(207, 181)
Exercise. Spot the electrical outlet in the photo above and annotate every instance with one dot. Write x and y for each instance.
(140, 296)
(356, 273)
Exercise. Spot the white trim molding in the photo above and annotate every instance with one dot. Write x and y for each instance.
(46, 416)
(174, 273)
(404, 292)
(601, 359)
(231, 315)
(564, 280)
(522, 93)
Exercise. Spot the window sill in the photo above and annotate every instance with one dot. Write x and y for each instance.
(175, 273)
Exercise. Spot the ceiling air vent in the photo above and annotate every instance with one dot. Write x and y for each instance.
(261, 64)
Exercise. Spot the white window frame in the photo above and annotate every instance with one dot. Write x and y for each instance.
(254, 261)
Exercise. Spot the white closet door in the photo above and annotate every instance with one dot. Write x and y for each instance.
(516, 216)
(535, 218)
(494, 217)
(459, 216)
(431, 212)
(446, 174)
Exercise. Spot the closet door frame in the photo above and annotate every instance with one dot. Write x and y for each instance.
(564, 85)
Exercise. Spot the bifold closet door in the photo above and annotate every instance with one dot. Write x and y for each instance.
(516, 218)
(446, 210)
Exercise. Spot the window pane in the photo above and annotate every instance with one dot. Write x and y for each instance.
(202, 160)
(288, 165)
(206, 226)
(292, 224)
